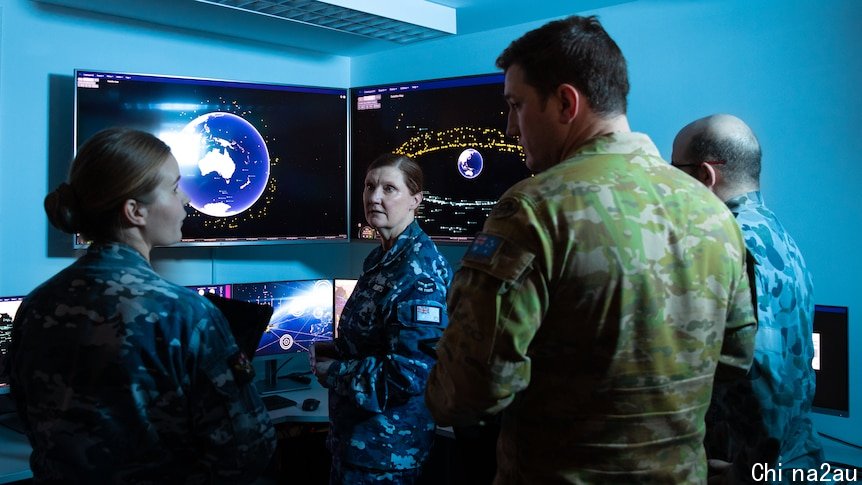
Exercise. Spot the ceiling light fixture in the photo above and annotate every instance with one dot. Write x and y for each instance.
(400, 21)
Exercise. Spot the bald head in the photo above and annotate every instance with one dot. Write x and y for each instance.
(721, 138)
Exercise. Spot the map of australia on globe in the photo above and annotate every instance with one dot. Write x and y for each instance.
(224, 163)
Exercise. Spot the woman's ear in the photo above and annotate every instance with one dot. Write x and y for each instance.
(134, 212)
(417, 199)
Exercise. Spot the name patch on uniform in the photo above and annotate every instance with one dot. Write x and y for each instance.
(427, 313)
(483, 248)
(241, 367)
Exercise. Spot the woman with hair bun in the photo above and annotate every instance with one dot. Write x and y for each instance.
(119, 375)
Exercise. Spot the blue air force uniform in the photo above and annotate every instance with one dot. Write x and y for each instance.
(751, 419)
(380, 426)
(123, 377)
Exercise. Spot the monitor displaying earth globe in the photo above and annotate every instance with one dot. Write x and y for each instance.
(261, 163)
(455, 128)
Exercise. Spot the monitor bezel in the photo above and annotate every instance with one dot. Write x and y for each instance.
(497, 77)
(844, 412)
(79, 243)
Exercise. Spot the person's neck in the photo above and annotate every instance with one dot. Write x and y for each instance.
(727, 193)
(389, 236)
(593, 127)
(133, 238)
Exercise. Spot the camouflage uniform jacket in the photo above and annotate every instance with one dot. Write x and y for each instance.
(774, 402)
(123, 377)
(376, 405)
(595, 308)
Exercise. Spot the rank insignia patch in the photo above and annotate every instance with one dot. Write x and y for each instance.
(425, 285)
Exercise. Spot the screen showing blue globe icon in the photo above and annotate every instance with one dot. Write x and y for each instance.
(470, 163)
(224, 163)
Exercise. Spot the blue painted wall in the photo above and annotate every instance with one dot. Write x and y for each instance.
(789, 68)
(40, 46)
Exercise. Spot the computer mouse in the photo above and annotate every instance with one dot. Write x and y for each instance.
(310, 404)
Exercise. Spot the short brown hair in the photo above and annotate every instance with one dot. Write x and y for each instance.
(577, 51)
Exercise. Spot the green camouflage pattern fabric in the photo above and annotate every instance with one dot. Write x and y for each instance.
(123, 377)
(774, 402)
(594, 311)
(380, 427)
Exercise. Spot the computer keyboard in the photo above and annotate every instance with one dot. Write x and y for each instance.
(275, 401)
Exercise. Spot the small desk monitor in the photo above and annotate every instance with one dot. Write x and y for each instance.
(8, 308)
(302, 315)
(831, 360)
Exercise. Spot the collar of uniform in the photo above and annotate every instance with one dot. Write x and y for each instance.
(404, 242)
(621, 142)
(749, 199)
(117, 250)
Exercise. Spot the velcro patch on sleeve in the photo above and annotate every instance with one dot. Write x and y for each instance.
(484, 248)
(240, 366)
(427, 313)
(498, 257)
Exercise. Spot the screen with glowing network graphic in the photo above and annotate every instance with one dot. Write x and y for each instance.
(455, 129)
(260, 162)
(303, 311)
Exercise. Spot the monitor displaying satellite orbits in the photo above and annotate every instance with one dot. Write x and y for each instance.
(260, 162)
(456, 130)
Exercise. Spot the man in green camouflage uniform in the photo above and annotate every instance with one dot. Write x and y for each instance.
(766, 417)
(603, 295)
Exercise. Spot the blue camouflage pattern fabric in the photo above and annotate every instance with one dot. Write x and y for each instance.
(123, 377)
(774, 402)
(594, 311)
(379, 422)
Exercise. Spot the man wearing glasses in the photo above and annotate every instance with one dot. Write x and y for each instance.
(766, 417)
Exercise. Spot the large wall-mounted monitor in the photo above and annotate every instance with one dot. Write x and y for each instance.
(831, 360)
(8, 308)
(262, 163)
(456, 130)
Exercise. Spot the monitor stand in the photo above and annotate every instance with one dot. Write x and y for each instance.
(272, 384)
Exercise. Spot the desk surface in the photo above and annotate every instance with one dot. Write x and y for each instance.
(15, 458)
(295, 414)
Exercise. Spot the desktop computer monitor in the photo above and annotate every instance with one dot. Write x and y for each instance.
(831, 362)
(302, 315)
(8, 308)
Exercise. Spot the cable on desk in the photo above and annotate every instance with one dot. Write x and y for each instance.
(284, 363)
(833, 438)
